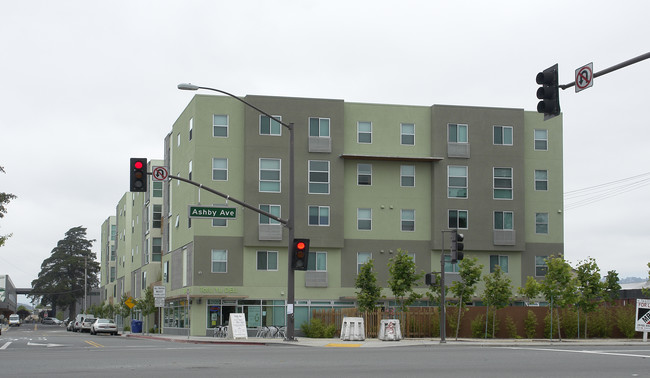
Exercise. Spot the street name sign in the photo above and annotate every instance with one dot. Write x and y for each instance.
(210, 212)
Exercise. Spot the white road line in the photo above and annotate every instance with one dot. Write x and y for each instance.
(6, 345)
(585, 352)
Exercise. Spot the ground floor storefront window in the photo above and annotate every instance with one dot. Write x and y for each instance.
(176, 315)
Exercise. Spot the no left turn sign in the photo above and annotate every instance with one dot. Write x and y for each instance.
(584, 77)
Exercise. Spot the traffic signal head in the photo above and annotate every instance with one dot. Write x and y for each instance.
(430, 279)
(300, 254)
(138, 175)
(457, 246)
(549, 92)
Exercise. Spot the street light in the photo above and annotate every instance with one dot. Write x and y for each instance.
(290, 222)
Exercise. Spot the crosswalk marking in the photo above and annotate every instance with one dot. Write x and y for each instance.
(5, 345)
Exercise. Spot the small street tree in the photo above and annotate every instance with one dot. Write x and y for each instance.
(497, 293)
(646, 290)
(590, 288)
(530, 290)
(558, 286)
(470, 274)
(403, 278)
(147, 305)
(612, 287)
(5, 198)
(369, 291)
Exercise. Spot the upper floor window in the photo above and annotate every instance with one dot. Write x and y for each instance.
(364, 174)
(270, 175)
(457, 181)
(157, 216)
(269, 126)
(319, 215)
(498, 260)
(407, 134)
(156, 249)
(541, 179)
(503, 135)
(220, 125)
(191, 127)
(541, 223)
(408, 220)
(457, 133)
(457, 219)
(449, 267)
(157, 189)
(407, 175)
(219, 261)
(364, 219)
(319, 127)
(364, 132)
(317, 262)
(541, 139)
(271, 209)
(502, 183)
(503, 220)
(319, 177)
(540, 266)
(362, 258)
(267, 260)
(219, 169)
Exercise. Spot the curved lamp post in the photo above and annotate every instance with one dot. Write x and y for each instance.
(289, 224)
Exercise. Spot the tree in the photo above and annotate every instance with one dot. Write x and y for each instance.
(369, 291)
(403, 278)
(470, 274)
(558, 286)
(612, 287)
(61, 279)
(530, 290)
(590, 288)
(146, 304)
(5, 198)
(497, 293)
(646, 290)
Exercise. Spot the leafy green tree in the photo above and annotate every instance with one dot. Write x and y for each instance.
(646, 290)
(5, 198)
(612, 287)
(590, 288)
(403, 278)
(530, 290)
(497, 293)
(470, 274)
(146, 304)
(122, 309)
(61, 279)
(558, 286)
(369, 291)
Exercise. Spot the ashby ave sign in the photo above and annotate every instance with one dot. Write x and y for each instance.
(211, 212)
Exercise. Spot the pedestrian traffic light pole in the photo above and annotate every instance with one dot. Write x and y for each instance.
(289, 224)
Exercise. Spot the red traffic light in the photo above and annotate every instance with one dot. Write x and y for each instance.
(300, 245)
(138, 164)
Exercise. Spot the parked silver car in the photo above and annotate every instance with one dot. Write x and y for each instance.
(103, 326)
(86, 324)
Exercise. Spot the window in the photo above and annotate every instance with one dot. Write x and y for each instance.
(457, 133)
(407, 134)
(112, 274)
(319, 177)
(267, 260)
(364, 219)
(499, 260)
(189, 170)
(449, 267)
(219, 261)
(143, 284)
(457, 182)
(271, 209)
(319, 215)
(541, 140)
(364, 174)
(178, 140)
(458, 219)
(166, 271)
(157, 216)
(319, 127)
(317, 262)
(503, 220)
(540, 266)
(408, 220)
(364, 132)
(157, 189)
(503, 135)
(270, 175)
(219, 222)
(541, 179)
(219, 169)
(269, 126)
(541, 223)
(407, 175)
(362, 258)
(191, 127)
(220, 126)
(502, 183)
(156, 249)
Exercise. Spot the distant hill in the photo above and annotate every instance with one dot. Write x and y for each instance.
(628, 280)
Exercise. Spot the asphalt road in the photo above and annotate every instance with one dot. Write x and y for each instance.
(50, 351)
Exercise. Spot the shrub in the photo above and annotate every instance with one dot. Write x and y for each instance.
(530, 325)
(316, 329)
(435, 325)
(127, 328)
(512, 328)
(478, 326)
(599, 324)
(569, 323)
(625, 321)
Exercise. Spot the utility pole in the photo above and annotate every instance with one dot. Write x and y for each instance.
(85, 281)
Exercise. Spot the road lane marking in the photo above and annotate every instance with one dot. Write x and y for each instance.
(602, 353)
(96, 345)
(5, 345)
(335, 345)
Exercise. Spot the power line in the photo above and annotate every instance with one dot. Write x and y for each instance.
(586, 196)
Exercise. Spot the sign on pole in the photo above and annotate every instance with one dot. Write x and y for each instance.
(584, 77)
(129, 302)
(160, 302)
(643, 315)
(209, 212)
(159, 173)
(159, 292)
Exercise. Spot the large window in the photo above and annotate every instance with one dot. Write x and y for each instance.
(220, 126)
(457, 133)
(267, 260)
(449, 267)
(540, 266)
(319, 127)
(219, 261)
(157, 189)
(408, 220)
(362, 258)
(541, 179)
(319, 177)
(498, 260)
(503, 135)
(457, 182)
(219, 169)
(270, 175)
(157, 216)
(271, 209)
(503, 220)
(541, 223)
(457, 219)
(317, 261)
(319, 215)
(407, 175)
(502, 183)
(407, 134)
(364, 219)
(541, 140)
(364, 132)
(156, 249)
(269, 126)
(364, 174)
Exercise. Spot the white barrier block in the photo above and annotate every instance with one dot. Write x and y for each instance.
(352, 329)
(389, 330)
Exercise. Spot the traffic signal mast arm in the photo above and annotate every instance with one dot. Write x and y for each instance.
(612, 68)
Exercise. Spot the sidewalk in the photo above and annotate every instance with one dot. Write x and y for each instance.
(376, 343)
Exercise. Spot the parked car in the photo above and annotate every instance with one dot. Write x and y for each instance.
(49, 320)
(103, 326)
(76, 327)
(85, 325)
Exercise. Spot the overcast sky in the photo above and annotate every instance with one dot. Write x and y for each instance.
(88, 84)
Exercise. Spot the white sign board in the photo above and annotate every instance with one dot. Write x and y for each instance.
(160, 302)
(237, 327)
(159, 173)
(159, 292)
(584, 77)
(643, 315)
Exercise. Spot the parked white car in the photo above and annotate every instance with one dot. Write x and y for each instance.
(103, 326)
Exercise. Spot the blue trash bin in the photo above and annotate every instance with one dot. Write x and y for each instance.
(136, 326)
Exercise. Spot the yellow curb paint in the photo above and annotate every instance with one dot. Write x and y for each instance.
(343, 345)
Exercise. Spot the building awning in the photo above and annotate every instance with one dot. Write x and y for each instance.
(414, 159)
